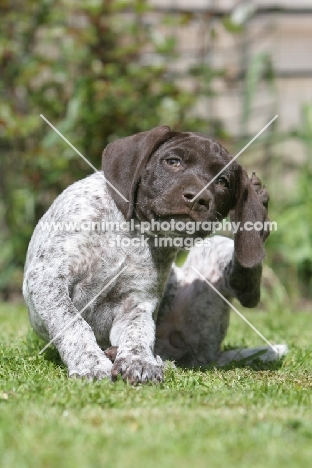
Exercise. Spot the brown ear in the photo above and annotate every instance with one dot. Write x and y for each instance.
(124, 160)
(248, 242)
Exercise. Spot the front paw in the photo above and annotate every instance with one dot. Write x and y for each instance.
(96, 371)
(138, 369)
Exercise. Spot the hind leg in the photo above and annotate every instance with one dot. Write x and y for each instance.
(193, 319)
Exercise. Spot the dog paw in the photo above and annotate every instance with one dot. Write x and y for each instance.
(111, 353)
(135, 370)
(260, 189)
(100, 371)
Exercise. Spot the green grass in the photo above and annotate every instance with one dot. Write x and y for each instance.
(235, 417)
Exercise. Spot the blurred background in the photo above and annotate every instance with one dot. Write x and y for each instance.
(104, 69)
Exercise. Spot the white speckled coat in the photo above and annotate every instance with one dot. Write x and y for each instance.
(121, 290)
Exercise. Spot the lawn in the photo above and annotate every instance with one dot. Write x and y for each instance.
(234, 417)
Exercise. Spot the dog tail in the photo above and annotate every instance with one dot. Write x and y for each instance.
(249, 355)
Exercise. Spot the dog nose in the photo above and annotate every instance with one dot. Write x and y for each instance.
(202, 200)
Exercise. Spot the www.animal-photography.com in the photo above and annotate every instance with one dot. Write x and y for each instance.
(156, 234)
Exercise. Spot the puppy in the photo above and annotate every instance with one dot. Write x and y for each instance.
(85, 293)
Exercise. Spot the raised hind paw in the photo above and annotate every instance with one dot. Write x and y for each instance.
(260, 189)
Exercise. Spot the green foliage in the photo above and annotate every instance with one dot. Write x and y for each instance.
(259, 68)
(98, 70)
(291, 244)
(86, 67)
(289, 249)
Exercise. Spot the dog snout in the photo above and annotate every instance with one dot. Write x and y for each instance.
(202, 200)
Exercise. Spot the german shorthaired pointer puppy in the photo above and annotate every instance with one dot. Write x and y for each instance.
(86, 295)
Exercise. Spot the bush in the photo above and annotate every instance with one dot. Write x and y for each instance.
(84, 66)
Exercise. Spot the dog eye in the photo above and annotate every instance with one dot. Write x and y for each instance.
(222, 181)
(173, 162)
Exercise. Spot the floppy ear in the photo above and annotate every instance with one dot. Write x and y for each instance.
(123, 162)
(248, 243)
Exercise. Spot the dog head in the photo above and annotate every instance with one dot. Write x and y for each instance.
(168, 175)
